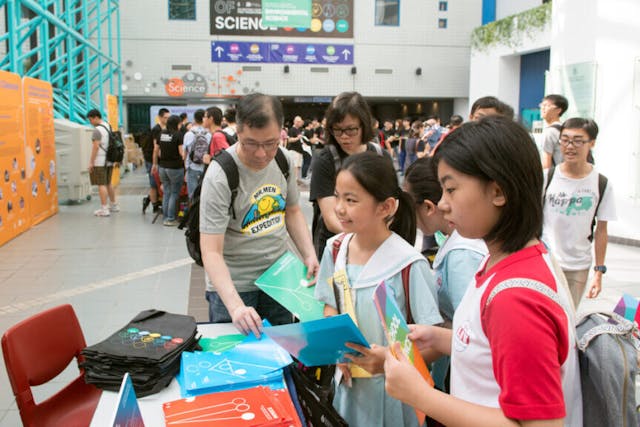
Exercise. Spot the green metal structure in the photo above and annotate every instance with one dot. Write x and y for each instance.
(73, 44)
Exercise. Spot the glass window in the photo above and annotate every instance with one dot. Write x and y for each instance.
(182, 9)
(442, 6)
(442, 23)
(388, 12)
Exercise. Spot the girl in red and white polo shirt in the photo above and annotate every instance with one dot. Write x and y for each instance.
(513, 361)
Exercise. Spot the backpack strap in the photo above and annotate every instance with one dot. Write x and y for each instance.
(108, 133)
(337, 161)
(602, 185)
(405, 275)
(228, 165)
(407, 295)
(552, 169)
(336, 246)
(621, 326)
(283, 163)
(377, 147)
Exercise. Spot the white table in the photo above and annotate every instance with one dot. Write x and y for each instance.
(151, 406)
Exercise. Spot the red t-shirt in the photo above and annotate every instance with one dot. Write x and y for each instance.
(218, 142)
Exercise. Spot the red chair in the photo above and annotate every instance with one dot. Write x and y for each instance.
(35, 351)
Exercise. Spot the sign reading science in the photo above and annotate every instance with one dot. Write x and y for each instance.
(329, 18)
(282, 53)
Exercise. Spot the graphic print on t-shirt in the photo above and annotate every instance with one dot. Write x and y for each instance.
(578, 203)
(462, 337)
(266, 213)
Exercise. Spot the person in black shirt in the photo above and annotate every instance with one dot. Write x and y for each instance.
(147, 152)
(168, 159)
(349, 130)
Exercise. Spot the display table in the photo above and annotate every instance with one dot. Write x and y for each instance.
(151, 406)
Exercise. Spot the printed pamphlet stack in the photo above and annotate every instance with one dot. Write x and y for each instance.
(252, 407)
(251, 362)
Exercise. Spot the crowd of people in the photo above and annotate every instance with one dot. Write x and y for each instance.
(511, 226)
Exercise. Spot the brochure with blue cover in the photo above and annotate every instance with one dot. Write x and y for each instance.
(318, 342)
(127, 412)
(286, 282)
(253, 361)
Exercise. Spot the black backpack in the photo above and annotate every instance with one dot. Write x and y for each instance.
(191, 220)
(231, 139)
(115, 150)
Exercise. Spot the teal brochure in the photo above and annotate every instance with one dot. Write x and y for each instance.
(286, 282)
(221, 343)
(127, 412)
(318, 342)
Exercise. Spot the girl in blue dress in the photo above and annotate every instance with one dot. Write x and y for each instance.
(378, 218)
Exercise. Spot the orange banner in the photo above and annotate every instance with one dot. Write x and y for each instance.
(14, 209)
(40, 149)
(113, 113)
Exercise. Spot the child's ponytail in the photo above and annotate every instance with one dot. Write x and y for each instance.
(404, 220)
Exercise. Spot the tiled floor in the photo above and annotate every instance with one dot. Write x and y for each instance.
(110, 269)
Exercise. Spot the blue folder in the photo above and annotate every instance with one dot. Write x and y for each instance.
(318, 342)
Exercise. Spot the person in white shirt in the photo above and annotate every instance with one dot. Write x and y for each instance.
(572, 201)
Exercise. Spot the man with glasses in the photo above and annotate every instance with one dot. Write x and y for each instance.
(239, 242)
(576, 199)
(551, 108)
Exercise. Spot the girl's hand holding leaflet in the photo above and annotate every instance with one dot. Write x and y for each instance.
(371, 359)
(400, 376)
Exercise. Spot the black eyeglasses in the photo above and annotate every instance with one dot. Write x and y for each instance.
(577, 141)
(254, 146)
(350, 131)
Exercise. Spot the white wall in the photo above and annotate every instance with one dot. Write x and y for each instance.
(506, 8)
(153, 44)
(606, 33)
(496, 71)
(583, 32)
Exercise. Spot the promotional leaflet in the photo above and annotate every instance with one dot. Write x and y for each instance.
(286, 282)
(396, 330)
(318, 342)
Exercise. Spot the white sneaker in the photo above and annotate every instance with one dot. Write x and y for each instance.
(102, 212)
(114, 208)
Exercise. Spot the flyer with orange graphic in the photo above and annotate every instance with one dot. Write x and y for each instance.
(40, 149)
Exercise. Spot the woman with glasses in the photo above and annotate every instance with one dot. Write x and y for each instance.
(349, 130)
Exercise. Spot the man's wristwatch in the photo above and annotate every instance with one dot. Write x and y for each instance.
(600, 268)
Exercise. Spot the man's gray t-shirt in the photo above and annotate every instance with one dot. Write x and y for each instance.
(257, 237)
(551, 143)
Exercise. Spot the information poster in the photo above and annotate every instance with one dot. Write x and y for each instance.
(40, 149)
(578, 83)
(281, 53)
(286, 13)
(14, 209)
(329, 18)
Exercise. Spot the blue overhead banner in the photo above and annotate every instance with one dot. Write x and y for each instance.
(282, 53)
